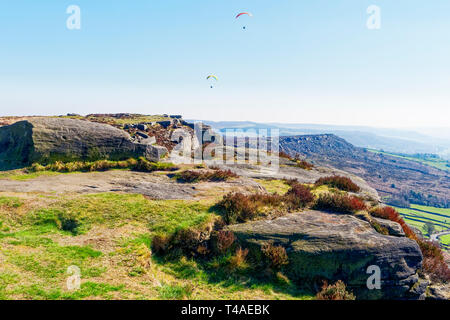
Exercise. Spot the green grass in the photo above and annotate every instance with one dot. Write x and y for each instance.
(10, 202)
(56, 168)
(130, 120)
(113, 210)
(436, 163)
(36, 252)
(22, 175)
(419, 215)
(445, 240)
(274, 186)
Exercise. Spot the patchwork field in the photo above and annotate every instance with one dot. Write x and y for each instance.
(419, 215)
(431, 161)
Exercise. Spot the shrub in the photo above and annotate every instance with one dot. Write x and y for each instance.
(276, 255)
(69, 223)
(223, 240)
(188, 239)
(36, 167)
(433, 261)
(191, 176)
(337, 291)
(283, 154)
(140, 164)
(237, 261)
(339, 203)
(238, 208)
(144, 165)
(304, 164)
(389, 213)
(160, 243)
(339, 182)
(299, 196)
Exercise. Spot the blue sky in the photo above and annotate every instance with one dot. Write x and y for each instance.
(297, 61)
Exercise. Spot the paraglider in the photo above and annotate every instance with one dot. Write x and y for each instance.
(212, 77)
(244, 13)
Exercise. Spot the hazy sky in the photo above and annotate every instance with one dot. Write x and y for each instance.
(308, 61)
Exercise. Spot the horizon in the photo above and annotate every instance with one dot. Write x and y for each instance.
(154, 57)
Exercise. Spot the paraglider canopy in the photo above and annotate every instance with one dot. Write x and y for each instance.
(212, 77)
(244, 13)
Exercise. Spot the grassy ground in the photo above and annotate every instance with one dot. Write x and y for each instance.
(122, 121)
(111, 246)
(21, 175)
(419, 215)
(274, 186)
(437, 163)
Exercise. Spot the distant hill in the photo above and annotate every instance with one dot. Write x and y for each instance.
(397, 179)
(391, 140)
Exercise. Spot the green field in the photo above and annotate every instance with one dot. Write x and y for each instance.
(430, 161)
(418, 215)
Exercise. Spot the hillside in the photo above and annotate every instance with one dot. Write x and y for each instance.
(396, 178)
(392, 140)
(134, 227)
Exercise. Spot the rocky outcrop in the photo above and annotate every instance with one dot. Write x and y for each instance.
(339, 247)
(393, 228)
(49, 139)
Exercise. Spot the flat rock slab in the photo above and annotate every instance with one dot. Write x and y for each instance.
(153, 185)
(338, 247)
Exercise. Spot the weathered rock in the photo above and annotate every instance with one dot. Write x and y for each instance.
(394, 228)
(142, 127)
(155, 153)
(149, 140)
(49, 139)
(339, 247)
(143, 135)
(165, 124)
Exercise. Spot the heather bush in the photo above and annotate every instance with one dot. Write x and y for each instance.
(140, 164)
(191, 176)
(339, 203)
(160, 243)
(337, 291)
(301, 163)
(283, 154)
(222, 240)
(304, 164)
(339, 182)
(433, 261)
(298, 196)
(238, 208)
(238, 260)
(275, 255)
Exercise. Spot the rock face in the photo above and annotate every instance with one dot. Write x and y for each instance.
(49, 139)
(339, 247)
